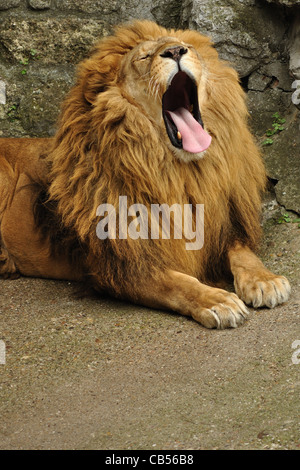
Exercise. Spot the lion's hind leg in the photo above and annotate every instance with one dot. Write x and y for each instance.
(211, 307)
(254, 283)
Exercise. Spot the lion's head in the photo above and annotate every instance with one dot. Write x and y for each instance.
(174, 77)
(167, 77)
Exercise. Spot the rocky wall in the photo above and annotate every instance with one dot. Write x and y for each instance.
(41, 41)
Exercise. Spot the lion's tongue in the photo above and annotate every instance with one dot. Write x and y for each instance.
(194, 138)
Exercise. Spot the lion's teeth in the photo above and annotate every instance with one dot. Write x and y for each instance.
(179, 136)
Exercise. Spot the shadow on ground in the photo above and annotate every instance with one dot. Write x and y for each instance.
(100, 374)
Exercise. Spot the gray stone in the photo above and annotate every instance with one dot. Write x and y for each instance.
(282, 162)
(91, 6)
(259, 81)
(247, 2)
(288, 3)
(243, 33)
(262, 106)
(7, 4)
(271, 76)
(55, 40)
(40, 4)
(279, 73)
(166, 12)
(2, 92)
(33, 101)
(43, 92)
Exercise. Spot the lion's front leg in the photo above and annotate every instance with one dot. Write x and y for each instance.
(212, 307)
(254, 283)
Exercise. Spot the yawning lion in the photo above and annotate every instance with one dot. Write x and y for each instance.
(157, 118)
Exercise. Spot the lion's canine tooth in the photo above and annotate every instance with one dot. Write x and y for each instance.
(179, 136)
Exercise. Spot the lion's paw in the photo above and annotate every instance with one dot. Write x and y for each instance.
(228, 311)
(262, 289)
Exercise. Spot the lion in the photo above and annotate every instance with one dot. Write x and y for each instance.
(154, 116)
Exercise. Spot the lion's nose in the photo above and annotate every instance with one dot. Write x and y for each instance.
(174, 53)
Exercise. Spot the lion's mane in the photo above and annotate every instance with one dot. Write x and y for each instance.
(107, 146)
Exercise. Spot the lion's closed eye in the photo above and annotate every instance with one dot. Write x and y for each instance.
(144, 57)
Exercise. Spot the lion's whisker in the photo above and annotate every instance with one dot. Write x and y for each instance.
(157, 90)
(145, 76)
(154, 87)
(151, 86)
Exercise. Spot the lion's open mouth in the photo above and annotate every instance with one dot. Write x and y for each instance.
(182, 116)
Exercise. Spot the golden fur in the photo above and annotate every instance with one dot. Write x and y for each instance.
(111, 141)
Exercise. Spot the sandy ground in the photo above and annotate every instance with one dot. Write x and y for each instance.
(101, 374)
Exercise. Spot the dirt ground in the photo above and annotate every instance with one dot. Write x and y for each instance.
(101, 374)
